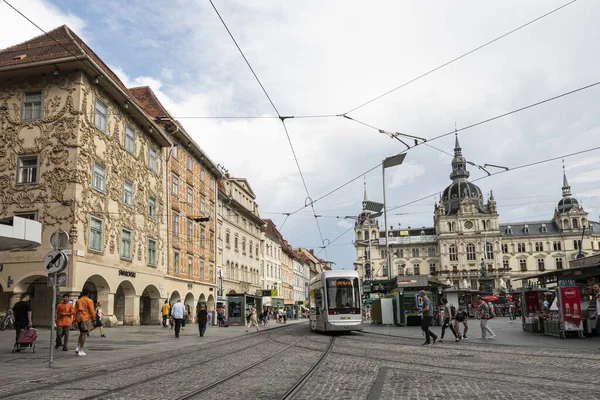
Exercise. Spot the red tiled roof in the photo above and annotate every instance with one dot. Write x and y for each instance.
(149, 102)
(272, 231)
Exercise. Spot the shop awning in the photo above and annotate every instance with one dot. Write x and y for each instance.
(576, 274)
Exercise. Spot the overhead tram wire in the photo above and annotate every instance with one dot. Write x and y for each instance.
(282, 118)
(444, 135)
(324, 247)
(460, 57)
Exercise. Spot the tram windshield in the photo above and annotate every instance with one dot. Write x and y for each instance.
(343, 296)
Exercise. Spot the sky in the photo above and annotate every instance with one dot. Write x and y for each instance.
(321, 58)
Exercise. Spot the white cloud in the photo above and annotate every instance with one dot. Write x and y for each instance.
(405, 174)
(586, 177)
(345, 224)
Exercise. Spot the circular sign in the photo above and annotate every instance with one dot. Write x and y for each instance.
(56, 261)
(59, 240)
(570, 293)
(468, 225)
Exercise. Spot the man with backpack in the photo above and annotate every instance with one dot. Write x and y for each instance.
(485, 314)
(448, 315)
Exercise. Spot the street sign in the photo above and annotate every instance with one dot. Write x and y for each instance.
(56, 261)
(59, 240)
(57, 279)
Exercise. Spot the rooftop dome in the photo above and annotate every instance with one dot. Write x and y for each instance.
(460, 188)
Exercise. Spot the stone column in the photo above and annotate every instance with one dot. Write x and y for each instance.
(155, 312)
(108, 305)
(132, 310)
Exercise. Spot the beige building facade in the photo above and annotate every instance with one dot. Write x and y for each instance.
(467, 233)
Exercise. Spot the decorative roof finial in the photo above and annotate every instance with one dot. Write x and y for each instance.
(365, 185)
(566, 189)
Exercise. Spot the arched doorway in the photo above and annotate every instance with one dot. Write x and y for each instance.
(98, 289)
(174, 297)
(232, 292)
(150, 306)
(41, 298)
(190, 307)
(125, 308)
(210, 304)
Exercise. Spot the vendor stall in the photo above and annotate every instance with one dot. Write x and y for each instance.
(409, 303)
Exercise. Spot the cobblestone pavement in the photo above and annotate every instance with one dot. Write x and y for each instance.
(266, 365)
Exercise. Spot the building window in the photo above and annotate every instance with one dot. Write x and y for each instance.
(235, 242)
(190, 195)
(99, 177)
(100, 115)
(190, 163)
(505, 264)
(28, 167)
(152, 159)
(190, 229)
(559, 263)
(96, 227)
(416, 269)
(400, 253)
(227, 238)
(471, 252)
(256, 251)
(523, 265)
(431, 251)
(539, 246)
(575, 223)
(175, 152)
(212, 183)
(432, 268)
(489, 251)
(244, 246)
(152, 252)
(126, 244)
(211, 271)
(128, 193)
(250, 247)
(151, 207)
(203, 237)
(201, 175)
(176, 223)
(27, 215)
(505, 248)
(175, 185)
(32, 106)
(576, 244)
(202, 270)
(176, 263)
(190, 267)
(540, 263)
(212, 210)
(129, 139)
(202, 204)
(212, 243)
(521, 247)
(452, 251)
(415, 252)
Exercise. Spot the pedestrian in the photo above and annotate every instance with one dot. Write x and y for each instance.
(448, 320)
(210, 317)
(64, 320)
(22, 315)
(99, 324)
(171, 320)
(484, 316)
(252, 319)
(597, 297)
(178, 313)
(186, 316)
(461, 317)
(511, 311)
(166, 308)
(427, 319)
(202, 319)
(220, 317)
(85, 314)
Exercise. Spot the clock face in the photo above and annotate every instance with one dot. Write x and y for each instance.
(468, 225)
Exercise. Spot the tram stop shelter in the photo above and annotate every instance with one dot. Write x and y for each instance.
(239, 305)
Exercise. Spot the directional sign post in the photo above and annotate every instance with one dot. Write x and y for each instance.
(55, 262)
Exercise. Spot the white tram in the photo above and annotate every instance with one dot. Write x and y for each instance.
(335, 302)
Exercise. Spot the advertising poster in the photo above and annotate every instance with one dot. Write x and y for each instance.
(571, 308)
(533, 302)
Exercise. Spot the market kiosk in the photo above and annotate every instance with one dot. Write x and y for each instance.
(570, 298)
(408, 311)
(239, 305)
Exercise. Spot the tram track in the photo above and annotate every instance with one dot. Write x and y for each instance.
(171, 355)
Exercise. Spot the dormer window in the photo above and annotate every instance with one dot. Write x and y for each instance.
(509, 230)
(526, 229)
(422, 233)
(543, 228)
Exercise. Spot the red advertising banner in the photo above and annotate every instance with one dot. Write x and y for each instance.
(532, 302)
(571, 308)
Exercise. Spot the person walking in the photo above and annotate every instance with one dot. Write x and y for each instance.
(253, 319)
(202, 319)
(64, 320)
(166, 309)
(99, 323)
(448, 320)
(484, 316)
(511, 311)
(22, 315)
(597, 313)
(427, 320)
(219, 317)
(461, 317)
(85, 314)
(178, 313)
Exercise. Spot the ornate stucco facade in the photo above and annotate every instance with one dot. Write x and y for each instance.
(467, 233)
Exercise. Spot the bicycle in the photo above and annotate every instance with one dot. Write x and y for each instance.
(7, 320)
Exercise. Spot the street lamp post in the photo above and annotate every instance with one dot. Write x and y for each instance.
(389, 162)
